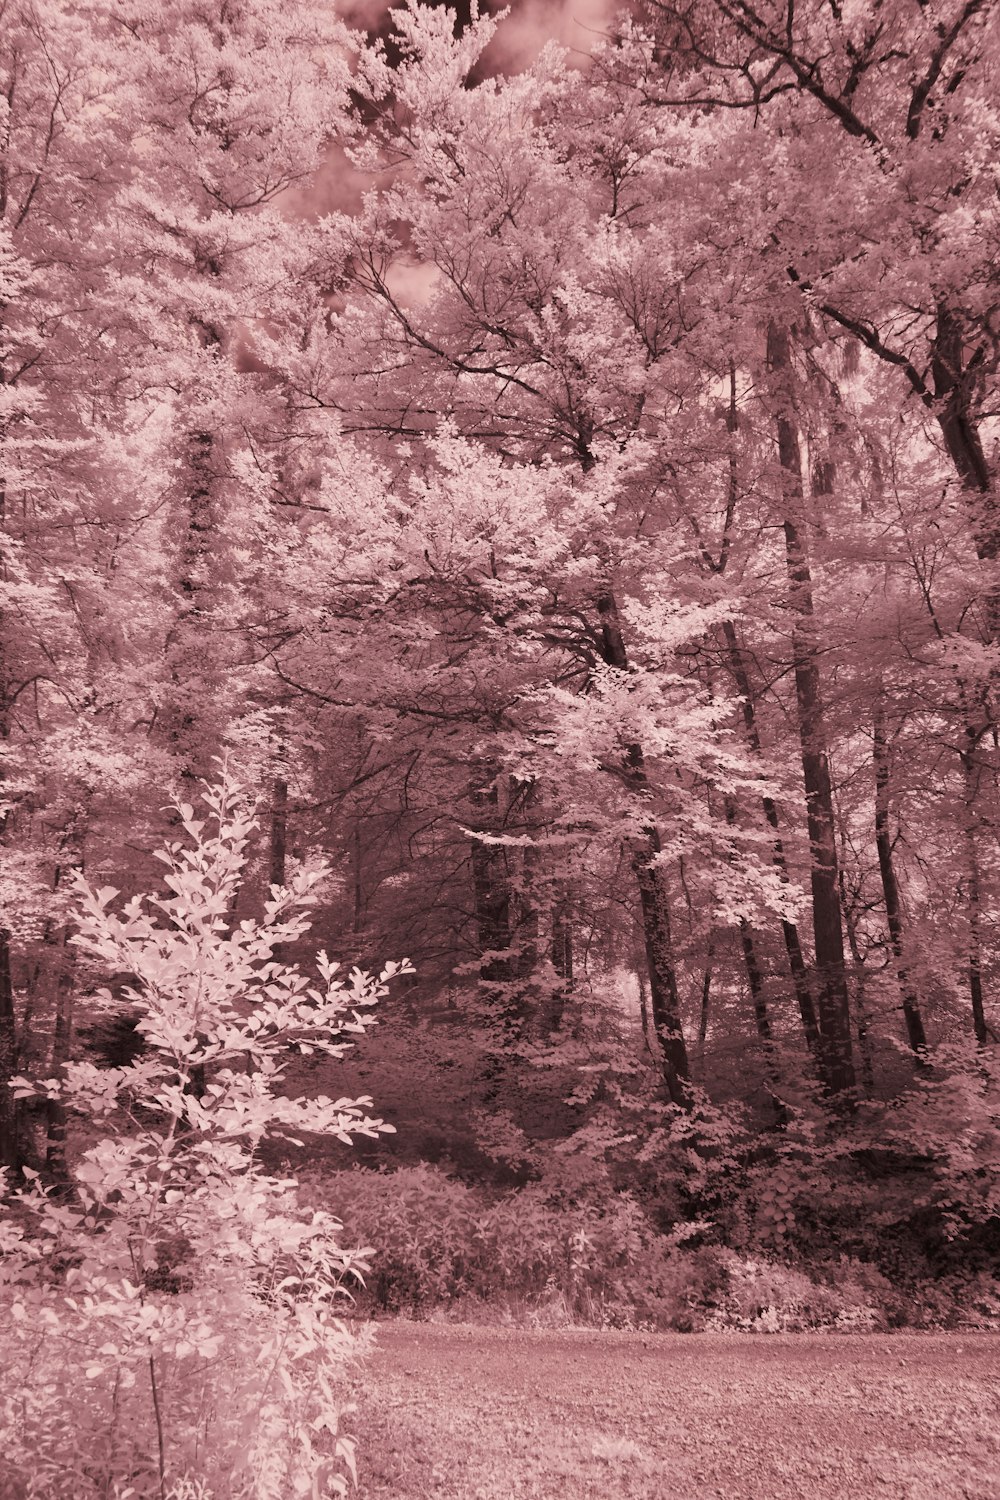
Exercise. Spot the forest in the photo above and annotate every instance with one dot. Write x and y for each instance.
(508, 532)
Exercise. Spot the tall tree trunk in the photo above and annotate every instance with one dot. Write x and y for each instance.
(61, 978)
(55, 1110)
(10, 1154)
(192, 649)
(654, 899)
(278, 851)
(561, 954)
(524, 882)
(954, 381)
(836, 1056)
(754, 972)
(490, 887)
(664, 998)
(861, 1012)
(10, 1113)
(758, 996)
(489, 879)
(738, 669)
(953, 387)
(952, 394)
(971, 770)
(915, 1033)
(644, 1008)
(189, 652)
(279, 831)
(789, 930)
(755, 983)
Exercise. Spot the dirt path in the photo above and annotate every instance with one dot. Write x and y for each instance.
(463, 1413)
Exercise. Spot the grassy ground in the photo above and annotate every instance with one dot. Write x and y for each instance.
(460, 1413)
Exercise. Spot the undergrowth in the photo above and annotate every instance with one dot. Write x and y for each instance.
(541, 1258)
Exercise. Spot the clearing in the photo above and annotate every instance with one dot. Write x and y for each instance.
(463, 1413)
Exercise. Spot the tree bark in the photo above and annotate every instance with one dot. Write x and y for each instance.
(861, 1012)
(915, 1033)
(490, 886)
(706, 1008)
(189, 652)
(55, 1110)
(664, 998)
(279, 831)
(561, 958)
(10, 1154)
(644, 1010)
(10, 1113)
(970, 769)
(952, 395)
(835, 1056)
(789, 930)
(654, 900)
(278, 852)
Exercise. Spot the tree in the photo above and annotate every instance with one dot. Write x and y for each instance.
(143, 158)
(523, 343)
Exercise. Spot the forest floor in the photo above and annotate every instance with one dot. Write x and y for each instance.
(461, 1413)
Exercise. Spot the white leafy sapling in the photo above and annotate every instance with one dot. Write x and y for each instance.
(174, 1323)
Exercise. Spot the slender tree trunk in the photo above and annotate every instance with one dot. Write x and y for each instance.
(915, 1033)
(524, 889)
(654, 899)
(705, 1010)
(492, 896)
(789, 930)
(741, 677)
(278, 852)
(970, 769)
(952, 392)
(561, 954)
(861, 1012)
(10, 1154)
(754, 972)
(644, 1011)
(953, 382)
(758, 997)
(55, 1110)
(10, 1113)
(188, 649)
(61, 978)
(835, 1057)
(279, 831)
(664, 999)
(491, 887)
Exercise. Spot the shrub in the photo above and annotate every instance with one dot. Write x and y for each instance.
(444, 1244)
(768, 1297)
(536, 1257)
(168, 1326)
